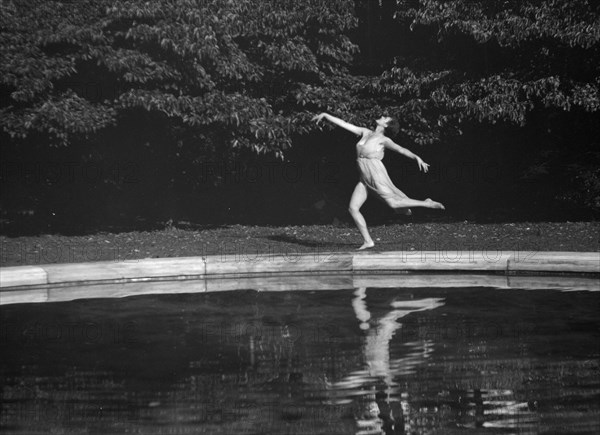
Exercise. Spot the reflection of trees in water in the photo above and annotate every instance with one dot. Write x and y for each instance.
(379, 406)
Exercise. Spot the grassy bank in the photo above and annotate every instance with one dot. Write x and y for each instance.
(256, 242)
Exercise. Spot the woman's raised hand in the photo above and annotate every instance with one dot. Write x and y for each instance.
(422, 165)
(318, 117)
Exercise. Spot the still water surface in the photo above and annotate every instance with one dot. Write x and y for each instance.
(357, 361)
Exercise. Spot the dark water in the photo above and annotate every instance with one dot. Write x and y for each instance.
(358, 361)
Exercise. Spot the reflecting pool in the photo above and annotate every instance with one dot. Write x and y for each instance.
(362, 360)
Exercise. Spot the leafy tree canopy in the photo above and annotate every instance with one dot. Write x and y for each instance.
(244, 68)
(253, 72)
(496, 60)
(250, 74)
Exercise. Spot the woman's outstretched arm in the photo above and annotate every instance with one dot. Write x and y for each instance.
(340, 122)
(388, 143)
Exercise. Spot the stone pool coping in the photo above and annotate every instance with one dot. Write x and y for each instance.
(245, 266)
(280, 272)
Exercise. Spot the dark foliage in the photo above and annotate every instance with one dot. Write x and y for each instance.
(163, 91)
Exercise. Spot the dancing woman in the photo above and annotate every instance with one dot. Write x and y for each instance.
(373, 176)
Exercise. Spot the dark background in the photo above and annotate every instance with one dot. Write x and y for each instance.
(136, 175)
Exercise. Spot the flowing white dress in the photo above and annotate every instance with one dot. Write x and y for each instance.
(373, 173)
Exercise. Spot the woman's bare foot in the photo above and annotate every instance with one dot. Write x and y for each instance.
(366, 245)
(434, 204)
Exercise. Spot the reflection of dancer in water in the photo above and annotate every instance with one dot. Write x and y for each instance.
(373, 175)
(378, 414)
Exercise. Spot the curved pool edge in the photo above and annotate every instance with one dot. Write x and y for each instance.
(236, 266)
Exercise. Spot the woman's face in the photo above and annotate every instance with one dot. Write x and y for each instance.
(383, 121)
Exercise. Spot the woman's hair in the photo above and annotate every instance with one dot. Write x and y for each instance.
(393, 127)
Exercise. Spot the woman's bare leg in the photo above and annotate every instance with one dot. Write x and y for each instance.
(400, 202)
(359, 196)
(407, 202)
